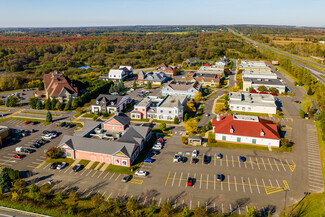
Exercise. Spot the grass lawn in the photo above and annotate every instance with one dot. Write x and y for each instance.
(39, 113)
(118, 169)
(88, 115)
(84, 162)
(67, 160)
(143, 153)
(4, 110)
(237, 145)
(100, 166)
(24, 119)
(94, 165)
(142, 120)
(160, 121)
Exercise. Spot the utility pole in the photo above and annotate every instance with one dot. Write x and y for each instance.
(285, 199)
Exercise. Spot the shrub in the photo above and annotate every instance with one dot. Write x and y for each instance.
(53, 153)
(162, 126)
(302, 113)
(185, 140)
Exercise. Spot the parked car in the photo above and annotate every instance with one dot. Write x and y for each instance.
(47, 136)
(141, 173)
(219, 177)
(32, 130)
(205, 159)
(195, 153)
(27, 122)
(148, 160)
(190, 181)
(207, 114)
(126, 178)
(35, 145)
(62, 124)
(219, 156)
(157, 147)
(27, 150)
(54, 165)
(72, 125)
(195, 160)
(51, 182)
(18, 156)
(61, 165)
(161, 140)
(19, 149)
(77, 168)
(177, 158)
(46, 132)
(24, 134)
(35, 122)
(242, 158)
(155, 152)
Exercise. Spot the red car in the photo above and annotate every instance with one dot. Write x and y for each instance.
(17, 155)
(160, 140)
(190, 181)
(27, 122)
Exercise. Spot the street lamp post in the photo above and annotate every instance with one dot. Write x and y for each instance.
(285, 199)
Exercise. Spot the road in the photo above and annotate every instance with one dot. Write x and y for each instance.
(315, 72)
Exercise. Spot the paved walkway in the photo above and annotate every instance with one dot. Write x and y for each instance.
(89, 164)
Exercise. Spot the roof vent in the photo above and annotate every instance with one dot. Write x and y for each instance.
(112, 103)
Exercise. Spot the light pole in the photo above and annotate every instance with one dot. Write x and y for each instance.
(285, 199)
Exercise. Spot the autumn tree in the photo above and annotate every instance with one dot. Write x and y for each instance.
(262, 88)
(191, 126)
(198, 97)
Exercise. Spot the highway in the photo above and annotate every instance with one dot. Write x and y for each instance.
(315, 72)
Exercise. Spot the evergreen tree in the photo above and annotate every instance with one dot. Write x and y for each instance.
(67, 107)
(47, 104)
(175, 120)
(204, 129)
(48, 117)
(209, 125)
(5, 180)
(39, 104)
(53, 103)
(33, 102)
(134, 85)
(111, 90)
(310, 91)
(58, 106)
(7, 101)
(149, 86)
(75, 103)
(185, 117)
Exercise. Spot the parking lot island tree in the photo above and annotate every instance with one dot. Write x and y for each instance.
(53, 153)
(191, 126)
(39, 105)
(32, 102)
(48, 117)
(134, 85)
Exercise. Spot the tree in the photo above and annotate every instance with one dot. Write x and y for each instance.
(162, 126)
(302, 113)
(19, 187)
(47, 104)
(234, 89)
(185, 117)
(131, 206)
(39, 105)
(96, 200)
(59, 198)
(134, 85)
(273, 90)
(58, 106)
(166, 210)
(191, 126)
(200, 212)
(190, 107)
(13, 101)
(75, 103)
(53, 103)
(32, 102)
(7, 101)
(209, 125)
(5, 180)
(204, 129)
(186, 212)
(48, 117)
(198, 97)
(53, 153)
(251, 212)
(175, 120)
(74, 197)
(310, 91)
(220, 108)
(67, 107)
(41, 86)
(33, 189)
(262, 88)
(152, 208)
(149, 86)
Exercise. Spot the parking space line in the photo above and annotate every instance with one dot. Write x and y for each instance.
(111, 176)
(257, 164)
(214, 181)
(117, 177)
(276, 164)
(277, 183)
(250, 186)
(94, 173)
(89, 172)
(220, 162)
(258, 189)
(235, 183)
(109, 195)
(227, 160)
(283, 166)
(166, 179)
(242, 180)
(233, 163)
(180, 179)
(221, 186)
(264, 164)
(270, 182)
(66, 169)
(173, 179)
(100, 174)
(201, 181)
(228, 183)
(207, 181)
(250, 159)
(188, 175)
(194, 179)
(270, 163)
(239, 162)
(245, 164)
(83, 172)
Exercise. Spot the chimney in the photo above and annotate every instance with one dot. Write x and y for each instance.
(218, 117)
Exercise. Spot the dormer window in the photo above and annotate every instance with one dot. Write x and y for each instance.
(262, 133)
(97, 102)
(232, 130)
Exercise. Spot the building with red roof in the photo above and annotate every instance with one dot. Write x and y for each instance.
(246, 129)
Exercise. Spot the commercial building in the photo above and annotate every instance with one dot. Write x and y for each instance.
(247, 65)
(255, 83)
(204, 79)
(259, 74)
(246, 129)
(96, 143)
(110, 103)
(161, 109)
(4, 133)
(156, 78)
(252, 102)
(58, 86)
(214, 69)
(181, 88)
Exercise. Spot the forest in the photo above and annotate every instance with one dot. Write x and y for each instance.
(26, 56)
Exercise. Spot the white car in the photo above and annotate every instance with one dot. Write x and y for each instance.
(157, 147)
(47, 137)
(195, 153)
(141, 173)
(177, 158)
(61, 166)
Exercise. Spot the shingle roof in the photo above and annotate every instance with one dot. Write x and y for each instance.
(108, 100)
(55, 82)
(121, 118)
(178, 85)
(246, 127)
(135, 134)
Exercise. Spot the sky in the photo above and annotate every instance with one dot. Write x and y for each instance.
(75, 13)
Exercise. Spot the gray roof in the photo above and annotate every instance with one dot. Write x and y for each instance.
(263, 81)
(195, 137)
(88, 127)
(155, 76)
(108, 100)
(135, 134)
(172, 101)
(97, 145)
(122, 118)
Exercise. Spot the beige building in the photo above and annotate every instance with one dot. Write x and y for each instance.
(4, 133)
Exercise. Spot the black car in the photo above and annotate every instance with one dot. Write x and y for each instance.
(72, 125)
(126, 178)
(35, 122)
(54, 165)
(46, 132)
(77, 168)
(195, 160)
(35, 145)
(62, 124)
(205, 159)
(67, 125)
(54, 132)
(32, 130)
(28, 150)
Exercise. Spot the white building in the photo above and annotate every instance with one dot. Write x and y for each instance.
(259, 74)
(119, 74)
(247, 65)
(255, 83)
(252, 102)
(246, 129)
(181, 88)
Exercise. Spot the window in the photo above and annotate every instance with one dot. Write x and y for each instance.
(68, 154)
(224, 138)
(117, 161)
(143, 109)
(238, 139)
(161, 111)
(170, 112)
(254, 141)
(124, 162)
